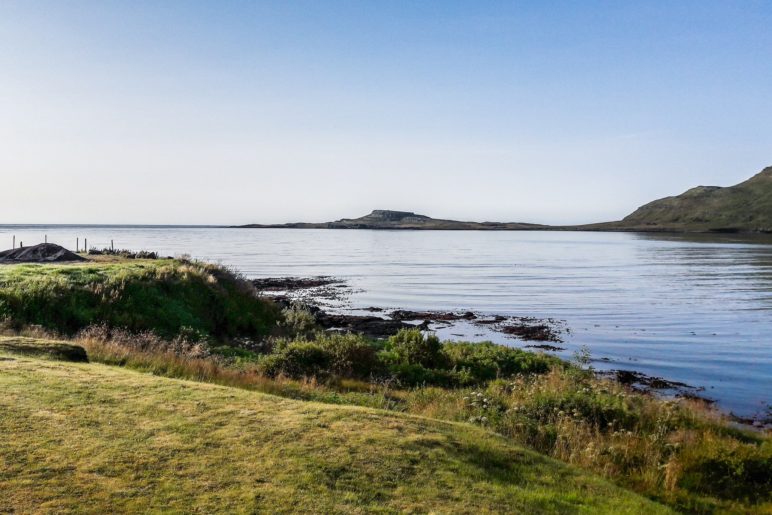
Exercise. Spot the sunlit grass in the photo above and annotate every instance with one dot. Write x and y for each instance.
(89, 437)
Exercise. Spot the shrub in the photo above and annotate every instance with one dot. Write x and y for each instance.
(408, 374)
(411, 347)
(298, 321)
(485, 361)
(298, 359)
(729, 469)
(351, 355)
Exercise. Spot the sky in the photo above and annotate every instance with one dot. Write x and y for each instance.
(227, 112)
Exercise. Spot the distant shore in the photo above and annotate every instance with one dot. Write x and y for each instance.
(504, 226)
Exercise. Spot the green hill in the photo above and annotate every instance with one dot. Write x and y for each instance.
(99, 439)
(746, 207)
(167, 296)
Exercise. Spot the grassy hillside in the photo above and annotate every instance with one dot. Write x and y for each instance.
(88, 437)
(744, 207)
(166, 296)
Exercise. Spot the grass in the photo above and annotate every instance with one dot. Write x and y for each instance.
(166, 296)
(678, 452)
(89, 437)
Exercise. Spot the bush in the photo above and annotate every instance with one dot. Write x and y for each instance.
(485, 361)
(731, 471)
(411, 347)
(351, 355)
(298, 321)
(298, 359)
(418, 375)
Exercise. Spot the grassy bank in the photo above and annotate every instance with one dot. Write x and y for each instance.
(677, 452)
(97, 438)
(167, 297)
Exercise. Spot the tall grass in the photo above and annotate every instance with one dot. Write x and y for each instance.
(213, 369)
(678, 451)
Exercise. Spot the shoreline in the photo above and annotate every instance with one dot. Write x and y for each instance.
(537, 334)
(579, 228)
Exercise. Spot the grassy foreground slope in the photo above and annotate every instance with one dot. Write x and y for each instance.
(90, 437)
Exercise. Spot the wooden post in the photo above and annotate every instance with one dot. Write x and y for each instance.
(46, 240)
(14, 241)
(77, 245)
(85, 245)
(112, 247)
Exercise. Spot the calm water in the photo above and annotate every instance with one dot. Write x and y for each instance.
(693, 309)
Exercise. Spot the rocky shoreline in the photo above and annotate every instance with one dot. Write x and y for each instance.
(314, 292)
(317, 294)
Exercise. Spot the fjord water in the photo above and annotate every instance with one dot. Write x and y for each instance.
(696, 309)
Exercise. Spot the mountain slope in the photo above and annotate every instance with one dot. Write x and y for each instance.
(88, 437)
(744, 207)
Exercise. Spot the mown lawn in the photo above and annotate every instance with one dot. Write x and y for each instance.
(93, 438)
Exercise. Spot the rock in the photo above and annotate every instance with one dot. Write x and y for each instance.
(43, 253)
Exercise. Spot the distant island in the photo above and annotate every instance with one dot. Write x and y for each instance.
(386, 219)
(745, 207)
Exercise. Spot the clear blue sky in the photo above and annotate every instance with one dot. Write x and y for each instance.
(230, 112)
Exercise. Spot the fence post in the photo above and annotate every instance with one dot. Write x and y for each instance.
(77, 245)
(14, 241)
(85, 245)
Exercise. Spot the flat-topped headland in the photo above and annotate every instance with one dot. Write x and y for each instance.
(387, 219)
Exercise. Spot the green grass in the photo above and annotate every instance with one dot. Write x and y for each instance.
(680, 453)
(94, 438)
(163, 296)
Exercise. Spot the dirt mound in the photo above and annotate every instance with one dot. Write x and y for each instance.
(43, 253)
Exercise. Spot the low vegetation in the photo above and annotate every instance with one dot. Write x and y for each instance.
(88, 437)
(678, 452)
